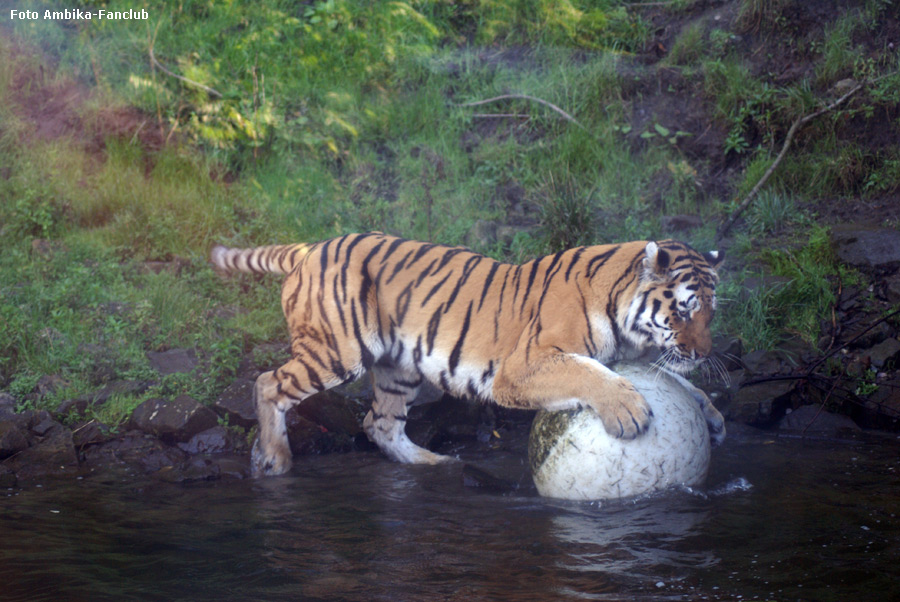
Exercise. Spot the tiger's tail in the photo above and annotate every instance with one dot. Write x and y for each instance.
(275, 259)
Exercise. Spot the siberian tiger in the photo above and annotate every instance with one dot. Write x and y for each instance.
(535, 335)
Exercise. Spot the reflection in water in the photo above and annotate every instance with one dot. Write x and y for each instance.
(819, 522)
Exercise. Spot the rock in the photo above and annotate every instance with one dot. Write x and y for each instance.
(7, 477)
(762, 362)
(7, 405)
(885, 353)
(236, 402)
(573, 457)
(54, 453)
(332, 411)
(90, 433)
(866, 246)
(175, 421)
(477, 478)
(173, 361)
(135, 449)
(13, 438)
(892, 289)
(305, 436)
(192, 470)
(50, 383)
(759, 404)
(216, 440)
(812, 419)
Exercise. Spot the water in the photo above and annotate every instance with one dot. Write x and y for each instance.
(780, 519)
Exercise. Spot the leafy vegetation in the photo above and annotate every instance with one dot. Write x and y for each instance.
(301, 120)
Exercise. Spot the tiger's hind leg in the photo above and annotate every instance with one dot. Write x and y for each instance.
(385, 424)
(274, 394)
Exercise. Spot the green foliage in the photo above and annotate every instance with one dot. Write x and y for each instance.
(567, 217)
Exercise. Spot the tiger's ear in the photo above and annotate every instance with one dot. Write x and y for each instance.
(656, 262)
(715, 259)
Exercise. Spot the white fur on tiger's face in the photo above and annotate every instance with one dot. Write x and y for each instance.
(535, 335)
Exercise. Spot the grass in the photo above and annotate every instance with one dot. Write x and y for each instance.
(340, 116)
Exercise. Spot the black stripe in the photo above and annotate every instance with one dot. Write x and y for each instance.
(368, 359)
(403, 303)
(433, 324)
(398, 267)
(457, 349)
(487, 283)
(601, 260)
(435, 288)
(530, 284)
(469, 266)
(422, 250)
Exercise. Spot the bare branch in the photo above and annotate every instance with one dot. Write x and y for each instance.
(206, 89)
(552, 106)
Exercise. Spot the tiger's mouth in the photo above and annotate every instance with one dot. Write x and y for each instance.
(674, 359)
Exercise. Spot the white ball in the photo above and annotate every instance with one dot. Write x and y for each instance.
(573, 457)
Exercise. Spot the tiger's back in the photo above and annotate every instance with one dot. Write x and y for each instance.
(534, 335)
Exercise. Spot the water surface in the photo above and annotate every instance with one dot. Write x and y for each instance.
(779, 519)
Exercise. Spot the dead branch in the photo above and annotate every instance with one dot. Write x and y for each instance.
(800, 122)
(191, 82)
(552, 106)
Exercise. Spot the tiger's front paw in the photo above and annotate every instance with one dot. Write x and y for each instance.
(627, 414)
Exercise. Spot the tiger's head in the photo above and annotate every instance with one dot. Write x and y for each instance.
(674, 303)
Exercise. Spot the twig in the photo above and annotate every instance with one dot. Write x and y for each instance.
(800, 122)
(552, 106)
(206, 89)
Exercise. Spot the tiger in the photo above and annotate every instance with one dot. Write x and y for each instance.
(533, 336)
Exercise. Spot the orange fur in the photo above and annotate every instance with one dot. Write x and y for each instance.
(535, 335)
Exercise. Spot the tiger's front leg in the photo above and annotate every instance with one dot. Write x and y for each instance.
(714, 419)
(562, 381)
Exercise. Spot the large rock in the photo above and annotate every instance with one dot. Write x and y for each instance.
(573, 457)
(53, 453)
(759, 404)
(173, 421)
(173, 361)
(236, 402)
(812, 419)
(331, 411)
(13, 438)
(866, 246)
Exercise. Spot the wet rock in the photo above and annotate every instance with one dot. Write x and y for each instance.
(449, 419)
(759, 404)
(882, 408)
(173, 361)
(332, 411)
(216, 440)
(305, 436)
(53, 453)
(140, 451)
(7, 405)
(866, 246)
(174, 421)
(762, 362)
(13, 438)
(892, 289)
(7, 477)
(236, 402)
(90, 433)
(729, 351)
(885, 353)
(80, 404)
(192, 470)
(812, 419)
(477, 478)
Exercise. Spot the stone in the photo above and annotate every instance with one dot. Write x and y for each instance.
(756, 404)
(13, 438)
(892, 289)
(54, 453)
(812, 419)
(884, 353)
(173, 361)
(866, 246)
(762, 362)
(133, 449)
(236, 402)
(332, 411)
(174, 421)
(573, 457)
(7, 405)
(215, 440)
(7, 477)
